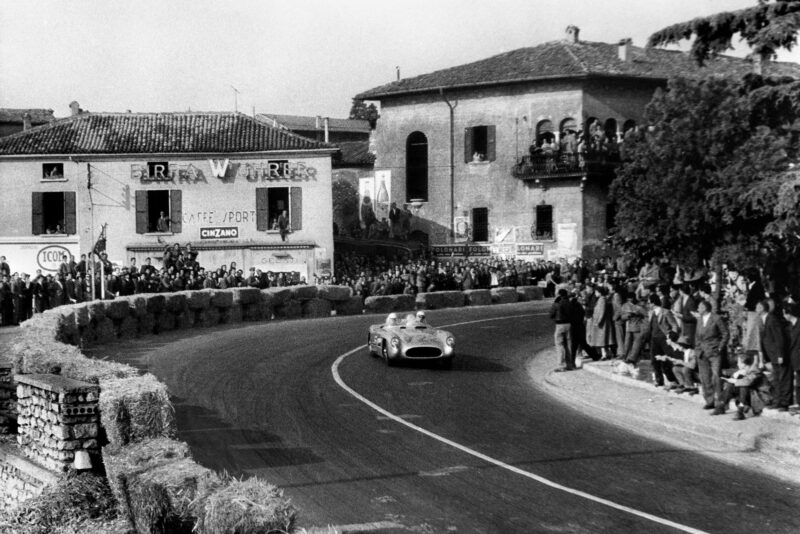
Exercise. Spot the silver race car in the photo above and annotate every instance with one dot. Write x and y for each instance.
(411, 339)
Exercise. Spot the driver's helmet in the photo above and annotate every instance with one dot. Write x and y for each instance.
(391, 320)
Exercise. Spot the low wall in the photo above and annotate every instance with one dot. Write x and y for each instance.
(20, 479)
(136, 417)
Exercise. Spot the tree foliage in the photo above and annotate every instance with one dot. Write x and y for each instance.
(766, 27)
(361, 111)
(704, 181)
(345, 198)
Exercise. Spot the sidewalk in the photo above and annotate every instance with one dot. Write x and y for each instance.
(769, 443)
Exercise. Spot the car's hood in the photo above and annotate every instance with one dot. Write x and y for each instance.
(419, 337)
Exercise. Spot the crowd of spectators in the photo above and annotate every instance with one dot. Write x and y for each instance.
(23, 294)
(734, 337)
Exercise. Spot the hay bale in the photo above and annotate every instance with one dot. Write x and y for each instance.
(67, 326)
(198, 300)
(147, 324)
(97, 310)
(128, 328)
(135, 408)
(222, 298)
(246, 295)
(165, 322)
(334, 293)
(303, 292)
(452, 299)
(280, 295)
(117, 309)
(528, 293)
(253, 312)
(138, 305)
(233, 314)
(291, 310)
(477, 297)
(430, 301)
(155, 304)
(207, 318)
(106, 331)
(352, 306)
(184, 321)
(250, 505)
(504, 295)
(389, 303)
(175, 303)
(82, 314)
(317, 308)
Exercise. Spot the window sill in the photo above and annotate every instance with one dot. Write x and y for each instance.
(159, 234)
(479, 163)
(53, 235)
(48, 180)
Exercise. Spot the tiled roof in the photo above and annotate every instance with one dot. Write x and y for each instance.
(154, 133)
(38, 115)
(301, 122)
(564, 59)
(353, 153)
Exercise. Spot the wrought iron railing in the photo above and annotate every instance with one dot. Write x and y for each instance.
(563, 165)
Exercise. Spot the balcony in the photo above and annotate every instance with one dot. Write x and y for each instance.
(570, 165)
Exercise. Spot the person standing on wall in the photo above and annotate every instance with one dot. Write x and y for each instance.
(283, 224)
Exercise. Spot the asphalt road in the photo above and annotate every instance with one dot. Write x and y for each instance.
(501, 456)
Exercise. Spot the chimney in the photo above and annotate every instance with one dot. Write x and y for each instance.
(26, 121)
(625, 50)
(572, 33)
(317, 121)
(397, 68)
(74, 108)
(326, 129)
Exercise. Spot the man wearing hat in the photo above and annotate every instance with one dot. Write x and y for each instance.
(560, 314)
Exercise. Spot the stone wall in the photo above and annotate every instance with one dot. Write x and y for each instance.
(8, 399)
(20, 479)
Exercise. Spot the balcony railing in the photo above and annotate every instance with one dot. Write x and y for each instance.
(558, 165)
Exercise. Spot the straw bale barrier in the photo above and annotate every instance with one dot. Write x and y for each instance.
(528, 293)
(440, 299)
(389, 303)
(504, 295)
(477, 297)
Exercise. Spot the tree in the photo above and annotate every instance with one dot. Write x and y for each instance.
(766, 27)
(703, 181)
(361, 111)
(345, 204)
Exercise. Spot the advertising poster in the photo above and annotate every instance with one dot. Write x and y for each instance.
(383, 194)
(366, 195)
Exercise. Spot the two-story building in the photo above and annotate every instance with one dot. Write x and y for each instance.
(216, 180)
(515, 153)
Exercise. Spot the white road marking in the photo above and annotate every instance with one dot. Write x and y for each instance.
(547, 482)
(361, 527)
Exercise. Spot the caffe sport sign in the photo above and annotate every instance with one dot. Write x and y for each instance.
(219, 232)
(225, 170)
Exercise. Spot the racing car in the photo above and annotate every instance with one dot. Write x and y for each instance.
(411, 340)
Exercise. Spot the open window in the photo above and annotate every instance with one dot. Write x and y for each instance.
(53, 212)
(271, 202)
(480, 224)
(159, 210)
(480, 144)
(52, 171)
(544, 223)
(417, 167)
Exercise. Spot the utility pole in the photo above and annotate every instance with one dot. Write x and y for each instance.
(91, 210)
(452, 165)
(235, 99)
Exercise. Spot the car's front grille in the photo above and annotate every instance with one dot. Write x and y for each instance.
(423, 352)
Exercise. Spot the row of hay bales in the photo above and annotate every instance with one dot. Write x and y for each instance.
(159, 487)
(451, 299)
(101, 322)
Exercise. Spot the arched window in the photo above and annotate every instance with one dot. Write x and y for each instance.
(417, 167)
(544, 132)
(611, 129)
(569, 125)
(628, 125)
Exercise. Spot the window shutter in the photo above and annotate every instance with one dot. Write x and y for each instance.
(70, 219)
(141, 212)
(296, 214)
(262, 213)
(37, 223)
(468, 145)
(176, 211)
(491, 152)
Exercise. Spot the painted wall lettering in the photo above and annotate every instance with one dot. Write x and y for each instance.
(227, 171)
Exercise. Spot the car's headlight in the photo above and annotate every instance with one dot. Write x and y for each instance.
(451, 342)
(395, 342)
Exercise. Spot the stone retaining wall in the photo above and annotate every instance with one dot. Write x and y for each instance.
(20, 479)
(8, 399)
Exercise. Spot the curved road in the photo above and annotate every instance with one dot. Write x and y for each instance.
(499, 455)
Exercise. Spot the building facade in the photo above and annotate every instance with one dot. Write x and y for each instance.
(513, 155)
(219, 181)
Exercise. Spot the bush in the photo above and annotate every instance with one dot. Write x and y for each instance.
(248, 506)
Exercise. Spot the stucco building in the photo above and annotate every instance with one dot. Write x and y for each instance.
(216, 180)
(515, 153)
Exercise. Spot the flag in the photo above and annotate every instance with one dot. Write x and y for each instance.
(100, 245)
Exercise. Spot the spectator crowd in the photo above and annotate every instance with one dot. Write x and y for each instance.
(23, 294)
(743, 346)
